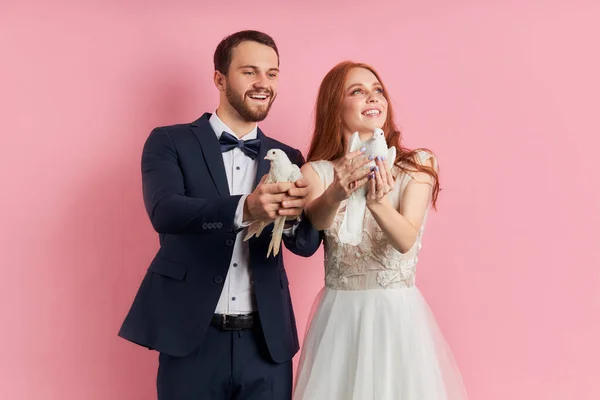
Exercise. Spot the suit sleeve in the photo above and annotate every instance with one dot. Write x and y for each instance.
(305, 240)
(169, 209)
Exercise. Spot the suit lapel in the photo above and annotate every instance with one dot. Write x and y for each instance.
(263, 165)
(212, 153)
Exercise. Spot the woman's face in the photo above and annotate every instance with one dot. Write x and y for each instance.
(364, 107)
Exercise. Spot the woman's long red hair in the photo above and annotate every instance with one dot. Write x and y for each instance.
(327, 141)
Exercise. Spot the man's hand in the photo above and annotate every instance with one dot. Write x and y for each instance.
(293, 204)
(266, 200)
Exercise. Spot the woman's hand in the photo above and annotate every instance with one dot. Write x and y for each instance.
(381, 182)
(349, 175)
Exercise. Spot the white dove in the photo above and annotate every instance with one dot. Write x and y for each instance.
(350, 231)
(282, 170)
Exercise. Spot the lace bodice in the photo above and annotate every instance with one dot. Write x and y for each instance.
(374, 263)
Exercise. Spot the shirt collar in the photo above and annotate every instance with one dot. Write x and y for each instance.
(219, 126)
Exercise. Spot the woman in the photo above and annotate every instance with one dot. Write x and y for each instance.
(372, 335)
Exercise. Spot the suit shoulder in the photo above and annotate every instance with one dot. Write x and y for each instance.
(173, 134)
(173, 129)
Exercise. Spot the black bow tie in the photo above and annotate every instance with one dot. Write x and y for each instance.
(229, 142)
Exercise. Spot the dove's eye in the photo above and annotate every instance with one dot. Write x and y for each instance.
(273, 153)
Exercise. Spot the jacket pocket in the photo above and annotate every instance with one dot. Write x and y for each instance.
(168, 268)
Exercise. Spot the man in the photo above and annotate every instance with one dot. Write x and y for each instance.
(215, 307)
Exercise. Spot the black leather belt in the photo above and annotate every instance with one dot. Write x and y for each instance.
(226, 322)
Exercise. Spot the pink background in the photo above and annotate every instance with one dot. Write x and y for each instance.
(506, 93)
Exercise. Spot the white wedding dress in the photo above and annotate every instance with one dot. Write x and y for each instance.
(372, 335)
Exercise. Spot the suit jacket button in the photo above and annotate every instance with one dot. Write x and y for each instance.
(218, 279)
(229, 242)
(219, 225)
(205, 226)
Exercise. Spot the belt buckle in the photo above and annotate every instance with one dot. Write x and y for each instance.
(225, 325)
(223, 321)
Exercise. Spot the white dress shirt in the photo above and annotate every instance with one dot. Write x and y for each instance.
(237, 296)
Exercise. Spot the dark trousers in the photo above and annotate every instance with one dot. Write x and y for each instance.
(229, 365)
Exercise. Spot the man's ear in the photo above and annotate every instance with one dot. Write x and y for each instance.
(219, 80)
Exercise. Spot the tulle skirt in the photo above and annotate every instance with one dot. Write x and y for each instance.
(381, 344)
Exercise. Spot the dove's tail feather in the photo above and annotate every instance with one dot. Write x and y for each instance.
(255, 229)
(352, 225)
(275, 243)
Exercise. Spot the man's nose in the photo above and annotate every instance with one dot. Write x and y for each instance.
(261, 82)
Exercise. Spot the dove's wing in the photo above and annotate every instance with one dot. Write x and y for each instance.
(256, 227)
(276, 236)
(352, 225)
(351, 229)
(354, 143)
(295, 173)
(282, 170)
(391, 156)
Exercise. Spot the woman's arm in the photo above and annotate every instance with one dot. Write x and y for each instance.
(323, 203)
(400, 227)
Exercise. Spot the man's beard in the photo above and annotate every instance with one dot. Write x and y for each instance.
(248, 113)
